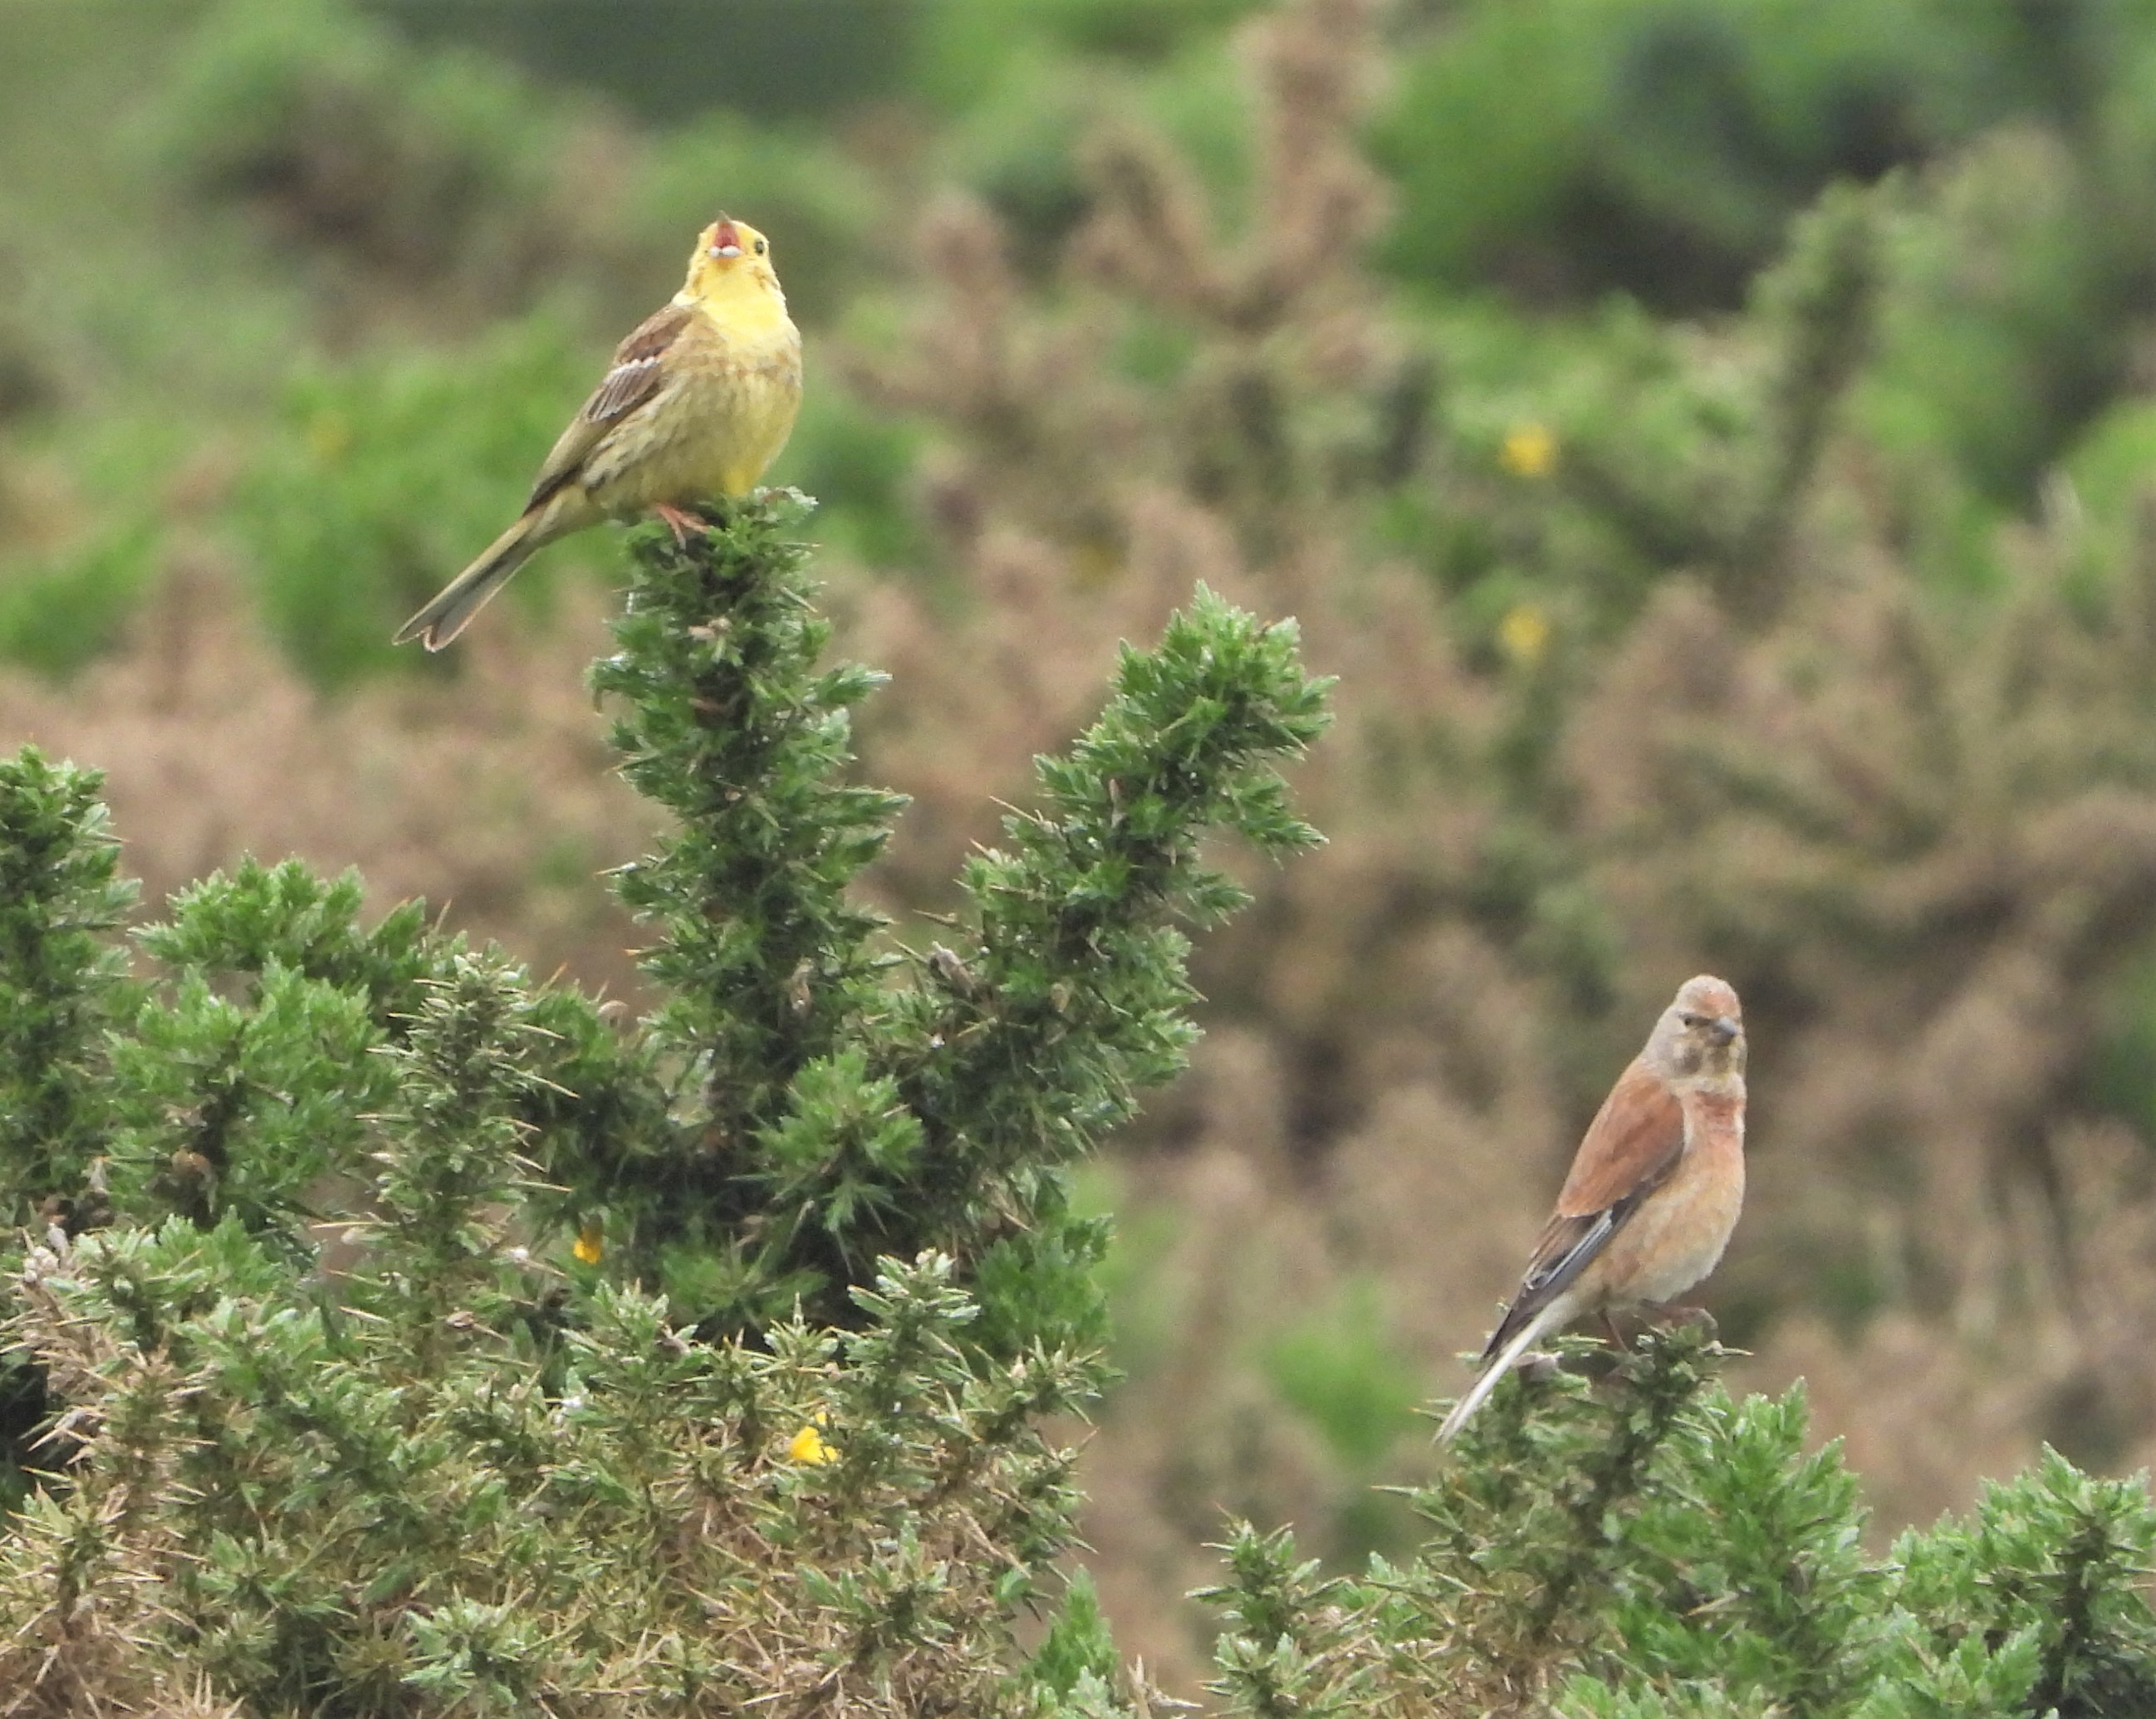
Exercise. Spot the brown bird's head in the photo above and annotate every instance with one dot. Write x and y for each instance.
(1700, 1038)
(731, 260)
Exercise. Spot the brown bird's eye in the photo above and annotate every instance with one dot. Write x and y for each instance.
(1692, 1020)
(761, 247)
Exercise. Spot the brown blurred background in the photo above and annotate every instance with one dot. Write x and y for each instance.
(1712, 442)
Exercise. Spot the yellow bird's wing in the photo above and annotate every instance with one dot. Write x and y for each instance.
(638, 369)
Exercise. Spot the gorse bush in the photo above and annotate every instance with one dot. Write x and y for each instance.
(1653, 1547)
(389, 1334)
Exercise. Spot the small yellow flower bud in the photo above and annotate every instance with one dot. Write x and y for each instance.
(1529, 451)
(1524, 634)
(810, 1446)
(329, 438)
(591, 1244)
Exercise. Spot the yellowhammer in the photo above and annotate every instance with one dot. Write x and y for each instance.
(699, 402)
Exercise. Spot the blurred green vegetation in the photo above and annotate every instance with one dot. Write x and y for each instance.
(370, 486)
(1340, 1368)
(362, 196)
(682, 57)
(56, 612)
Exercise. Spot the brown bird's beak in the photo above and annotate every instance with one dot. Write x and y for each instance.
(1724, 1030)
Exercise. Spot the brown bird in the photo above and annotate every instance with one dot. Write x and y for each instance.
(1654, 1191)
(698, 402)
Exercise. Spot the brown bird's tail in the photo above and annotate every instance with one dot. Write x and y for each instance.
(1503, 1364)
(451, 611)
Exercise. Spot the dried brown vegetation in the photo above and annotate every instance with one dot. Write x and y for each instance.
(491, 796)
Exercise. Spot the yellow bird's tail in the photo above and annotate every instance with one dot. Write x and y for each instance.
(451, 611)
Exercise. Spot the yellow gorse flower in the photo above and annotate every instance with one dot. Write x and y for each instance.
(1529, 450)
(1524, 634)
(591, 1244)
(809, 1445)
(329, 437)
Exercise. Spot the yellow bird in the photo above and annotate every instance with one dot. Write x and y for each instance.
(698, 402)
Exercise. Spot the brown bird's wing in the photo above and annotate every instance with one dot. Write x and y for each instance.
(638, 369)
(1627, 1153)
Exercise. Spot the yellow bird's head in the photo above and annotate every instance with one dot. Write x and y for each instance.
(732, 262)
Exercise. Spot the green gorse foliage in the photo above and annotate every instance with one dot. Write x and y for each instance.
(60, 898)
(313, 1407)
(817, 1117)
(1648, 1546)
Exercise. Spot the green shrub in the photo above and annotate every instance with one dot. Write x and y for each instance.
(1659, 146)
(964, 50)
(423, 165)
(388, 1334)
(396, 1335)
(1650, 1546)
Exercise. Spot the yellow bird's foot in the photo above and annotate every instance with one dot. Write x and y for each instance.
(682, 523)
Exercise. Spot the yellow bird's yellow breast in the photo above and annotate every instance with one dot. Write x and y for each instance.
(721, 419)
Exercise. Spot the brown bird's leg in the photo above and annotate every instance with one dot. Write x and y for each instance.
(683, 523)
(1672, 1314)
